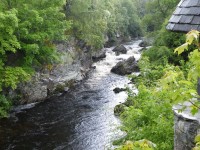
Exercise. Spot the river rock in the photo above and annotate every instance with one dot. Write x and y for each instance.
(126, 67)
(143, 44)
(120, 50)
(119, 109)
(118, 90)
(98, 56)
(32, 92)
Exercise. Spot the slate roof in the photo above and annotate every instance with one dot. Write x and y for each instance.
(186, 16)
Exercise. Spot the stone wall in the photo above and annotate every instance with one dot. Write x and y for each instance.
(186, 127)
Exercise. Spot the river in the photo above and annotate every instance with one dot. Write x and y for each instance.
(80, 120)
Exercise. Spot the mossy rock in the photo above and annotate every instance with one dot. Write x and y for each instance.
(119, 109)
(128, 103)
(70, 84)
(60, 88)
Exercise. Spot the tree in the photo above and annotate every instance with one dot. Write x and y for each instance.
(156, 13)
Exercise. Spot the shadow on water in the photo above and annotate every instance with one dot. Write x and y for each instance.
(80, 120)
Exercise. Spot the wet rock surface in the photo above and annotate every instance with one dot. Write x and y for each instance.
(126, 67)
(143, 44)
(120, 50)
(99, 55)
(118, 90)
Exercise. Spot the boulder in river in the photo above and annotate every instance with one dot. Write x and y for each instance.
(126, 67)
(120, 50)
(120, 108)
(143, 44)
(118, 90)
(98, 56)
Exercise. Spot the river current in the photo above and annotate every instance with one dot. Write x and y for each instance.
(80, 120)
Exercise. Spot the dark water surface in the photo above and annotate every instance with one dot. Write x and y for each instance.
(80, 120)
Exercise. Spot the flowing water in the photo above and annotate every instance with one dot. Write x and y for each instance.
(80, 120)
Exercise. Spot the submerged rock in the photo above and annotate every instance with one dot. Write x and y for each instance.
(120, 50)
(126, 67)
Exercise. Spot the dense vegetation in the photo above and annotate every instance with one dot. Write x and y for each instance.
(30, 29)
(168, 76)
(165, 79)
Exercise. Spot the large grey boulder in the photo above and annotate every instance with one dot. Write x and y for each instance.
(47, 82)
(33, 91)
(143, 44)
(126, 67)
(120, 50)
(99, 55)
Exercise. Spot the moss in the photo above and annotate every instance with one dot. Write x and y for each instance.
(70, 84)
(119, 109)
(59, 88)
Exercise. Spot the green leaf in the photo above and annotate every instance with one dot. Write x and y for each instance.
(194, 110)
(192, 36)
(197, 138)
(181, 48)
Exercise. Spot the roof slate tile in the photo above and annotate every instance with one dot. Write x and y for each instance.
(175, 19)
(184, 11)
(196, 20)
(192, 3)
(186, 16)
(186, 19)
(177, 11)
(198, 28)
(170, 26)
(184, 3)
(194, 11)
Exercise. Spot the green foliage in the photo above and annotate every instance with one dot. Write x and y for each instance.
(11, 77)
(167, 38)
(93, 20)
(150, 117)
(8, 24)
(160, 55)
(28, 30)
(89, 21)
(156, 11)
(160, 86)
(138, 145)
(162, 51)
(5, 105)
(149, 72)
(197, 141)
